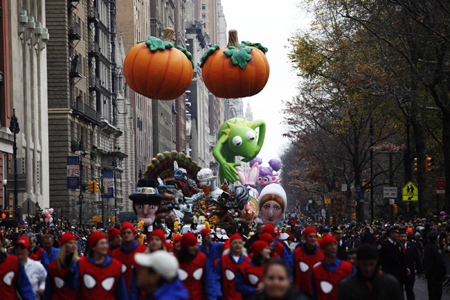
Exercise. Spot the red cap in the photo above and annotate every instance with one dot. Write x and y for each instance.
(177, 238)
(169, 245)
(268, 228)
(159, 233)
(235, 236)
(258, 246)
(226, 245)
(128, 225)
(94, 238)
(266, 238)
(188, 239)
(23, 240)
(204, 231)
(112, 233)
(409, 230)
(309, 230)
(66, 237)
(326, 239)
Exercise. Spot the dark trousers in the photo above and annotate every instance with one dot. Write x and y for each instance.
(434, 288)
(408, 283)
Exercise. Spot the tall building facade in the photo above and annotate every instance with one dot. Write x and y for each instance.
(83, 103)
(133, 22)
(23, 86)
(248, 112)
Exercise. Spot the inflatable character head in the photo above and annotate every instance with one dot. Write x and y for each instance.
(272, 204)
(146, 201)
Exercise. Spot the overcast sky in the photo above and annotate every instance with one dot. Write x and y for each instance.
(270, 23)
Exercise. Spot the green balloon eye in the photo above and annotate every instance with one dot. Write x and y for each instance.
(250, 135)
(237, 141)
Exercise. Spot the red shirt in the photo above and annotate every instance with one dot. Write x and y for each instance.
(191, 273)
(326, 281)
(252, 274)
(60, 291)
(229, 270)
(97, 282)
(303, 264)
(127, 260)
(9, 273)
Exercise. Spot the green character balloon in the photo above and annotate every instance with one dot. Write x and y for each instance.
(237, 137)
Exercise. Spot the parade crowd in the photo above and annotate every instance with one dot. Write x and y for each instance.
(297, 260)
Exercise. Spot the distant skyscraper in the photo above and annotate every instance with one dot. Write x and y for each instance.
(248, 112)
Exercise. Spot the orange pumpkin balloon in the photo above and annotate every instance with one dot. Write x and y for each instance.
(240, 70)
(155, 69)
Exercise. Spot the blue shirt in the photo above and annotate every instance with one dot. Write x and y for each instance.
(172, 290)
(213, 252)
(48, 258)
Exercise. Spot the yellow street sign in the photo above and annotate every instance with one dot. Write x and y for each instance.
(410, 192)
(327, 201)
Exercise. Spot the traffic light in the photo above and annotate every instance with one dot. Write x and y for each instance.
(407, 206)
(354, 216)
(415, 164)
(95, 219)
(429, 161)
(395, 209)
(91, 186)
(95, 187)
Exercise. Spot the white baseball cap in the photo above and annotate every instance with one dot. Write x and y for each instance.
(164, 263)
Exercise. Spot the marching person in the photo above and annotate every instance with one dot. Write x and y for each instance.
(413, 262)
(55, 287)
(98, 276)
(248, 279)
(228, 265)
(213, 251)
(326, 275)
(156, 241)
(369, 282)
(50, 252)
(303, 260)
(343, 247)
(157, 276)
(177, 244)
(13, 278)
(126, 251)
(35, 271)
(278, 246)
(194, 271)
(114, 239)
(276, 284)
(434, 266)
(255, 237)
(269, 240)
(36, 251)
(392, 259)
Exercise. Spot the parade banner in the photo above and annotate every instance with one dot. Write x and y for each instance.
(108, 183)
(73, 172)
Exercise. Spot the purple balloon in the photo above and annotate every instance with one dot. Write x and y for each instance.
(275, 164)
(264, 171)
(256, 160)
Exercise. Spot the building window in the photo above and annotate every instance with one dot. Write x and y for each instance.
(203, 6)
(203, 16)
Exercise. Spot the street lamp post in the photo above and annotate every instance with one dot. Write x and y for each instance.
(82, 153)
(114, 165)
(371, 134)
(14, 127)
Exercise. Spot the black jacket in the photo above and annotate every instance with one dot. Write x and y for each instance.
(413, 261)
(382, 286)
(392, 259)
(433, 262)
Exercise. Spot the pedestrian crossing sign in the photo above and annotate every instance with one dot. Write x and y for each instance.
(410, 192)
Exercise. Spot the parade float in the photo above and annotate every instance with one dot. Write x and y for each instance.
(156, 69)
(175, 189)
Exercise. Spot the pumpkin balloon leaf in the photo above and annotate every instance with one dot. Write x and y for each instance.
(208, 53)
(156, 44)
(256, 45)
(239, 56)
